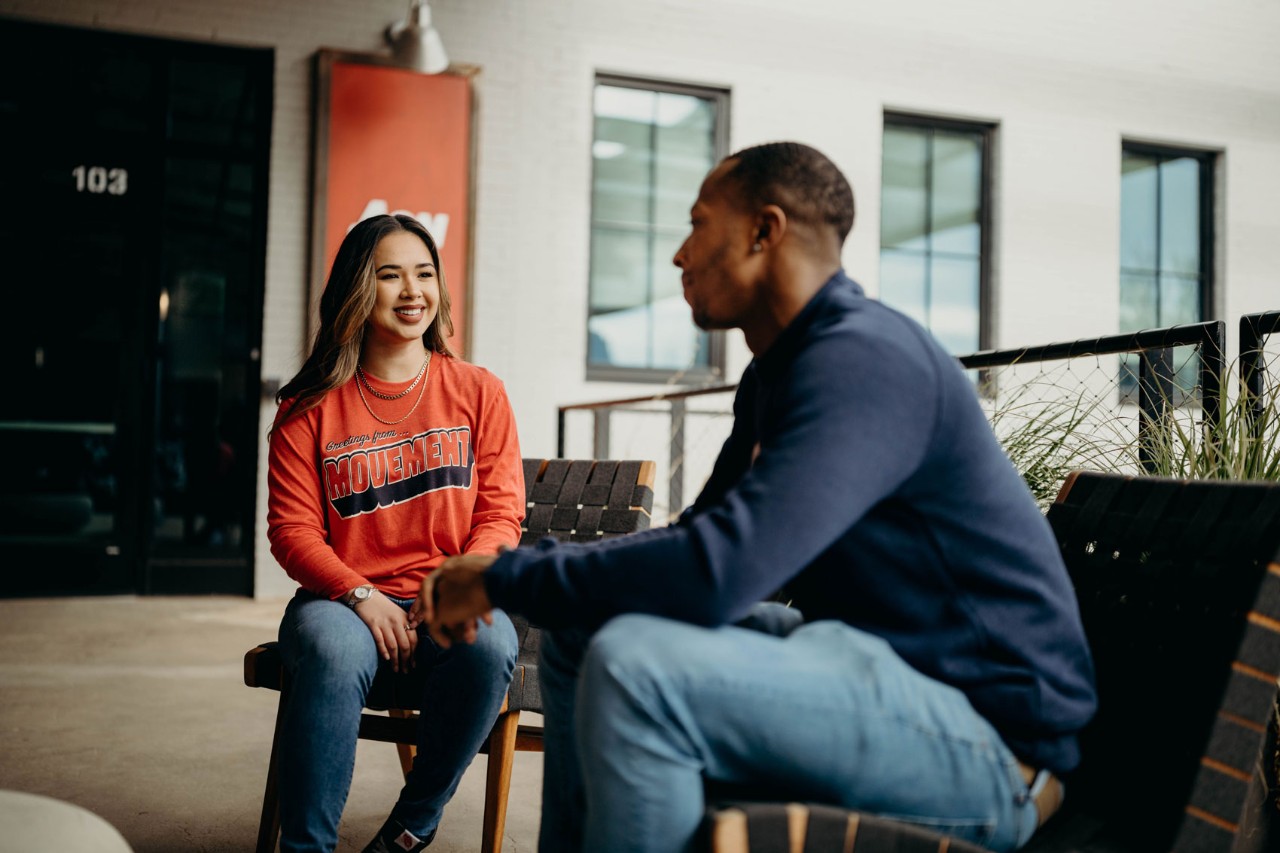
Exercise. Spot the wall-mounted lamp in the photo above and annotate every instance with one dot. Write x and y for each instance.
(415, 42)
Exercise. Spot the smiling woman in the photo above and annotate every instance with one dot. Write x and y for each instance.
(388, 455)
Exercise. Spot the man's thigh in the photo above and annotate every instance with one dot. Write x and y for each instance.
(826, 712)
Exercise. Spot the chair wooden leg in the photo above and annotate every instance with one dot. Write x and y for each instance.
(407, 751)
(269, 823)
(502, 750)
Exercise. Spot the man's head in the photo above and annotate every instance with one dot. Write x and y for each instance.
(808, 187)
(768, 220)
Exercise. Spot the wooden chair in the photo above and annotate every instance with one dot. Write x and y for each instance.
(573, 500)
(1179, 589)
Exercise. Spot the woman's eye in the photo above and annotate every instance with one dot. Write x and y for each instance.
(426, 274)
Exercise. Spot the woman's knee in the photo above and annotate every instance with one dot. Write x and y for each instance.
(326, 639)
(495, 648)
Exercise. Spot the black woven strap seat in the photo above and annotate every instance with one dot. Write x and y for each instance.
(1179, 590)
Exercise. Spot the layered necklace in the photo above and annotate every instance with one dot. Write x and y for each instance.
(362, 385)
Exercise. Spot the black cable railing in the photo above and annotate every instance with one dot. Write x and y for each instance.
(1157, 394)
(1156, 391)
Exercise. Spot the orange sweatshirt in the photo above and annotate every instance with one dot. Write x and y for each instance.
(354, 501)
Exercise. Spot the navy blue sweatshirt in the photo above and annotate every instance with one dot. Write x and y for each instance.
(880, 497)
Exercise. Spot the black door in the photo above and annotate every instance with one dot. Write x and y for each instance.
(132, 246)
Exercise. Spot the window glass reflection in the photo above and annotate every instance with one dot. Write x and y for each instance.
(957, 193)
(1180, 216)
(931, 222)
(902, 283)
(953, 303)
(1162, 275)
(904, 220)
(1138, 177)
(651, 150)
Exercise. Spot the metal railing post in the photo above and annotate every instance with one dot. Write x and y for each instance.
(600, 433)
(1155, 394)
(675, 499)
(560, 428)
(1254, 329)
(1212, 366)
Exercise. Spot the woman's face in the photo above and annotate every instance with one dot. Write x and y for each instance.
(408, 289)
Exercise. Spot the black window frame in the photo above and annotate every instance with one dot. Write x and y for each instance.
(1207, 161)
(987, 131)
(714, 371)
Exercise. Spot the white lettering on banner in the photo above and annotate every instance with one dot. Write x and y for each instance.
(437, 225)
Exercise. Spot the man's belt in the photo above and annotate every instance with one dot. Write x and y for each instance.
(1046, 792)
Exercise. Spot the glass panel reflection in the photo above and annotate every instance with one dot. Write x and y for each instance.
(903, 280)
(957, 193)
(651, 151)
(953, 304)
(1179, 300)
(904, 220)
(619, 269)
(684, 154)
(1138, 177)
(1139, 308)
(931, 229)
(1180, 216)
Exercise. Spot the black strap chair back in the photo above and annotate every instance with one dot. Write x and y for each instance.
(1179, 589)
(1180, 598)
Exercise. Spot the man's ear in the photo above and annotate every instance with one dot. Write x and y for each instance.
(771, 225)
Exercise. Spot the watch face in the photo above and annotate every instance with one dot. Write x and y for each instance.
(363, 592)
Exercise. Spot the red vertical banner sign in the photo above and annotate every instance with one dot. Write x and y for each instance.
(392, 140)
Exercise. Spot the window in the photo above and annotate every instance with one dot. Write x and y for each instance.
(1165, 237)
(1166, 244)
(653, 145)
(934, 227)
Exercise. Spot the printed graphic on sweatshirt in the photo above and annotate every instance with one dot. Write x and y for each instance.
(364, 480)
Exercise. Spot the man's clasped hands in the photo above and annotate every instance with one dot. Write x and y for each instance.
(453, 600)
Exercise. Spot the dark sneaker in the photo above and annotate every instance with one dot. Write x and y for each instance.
(394, 838)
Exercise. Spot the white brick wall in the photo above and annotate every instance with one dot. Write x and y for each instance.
(1065, 83)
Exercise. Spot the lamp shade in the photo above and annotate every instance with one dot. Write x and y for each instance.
(416, 43)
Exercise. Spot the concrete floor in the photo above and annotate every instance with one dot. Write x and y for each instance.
(136, 709)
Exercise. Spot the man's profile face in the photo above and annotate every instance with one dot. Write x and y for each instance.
(713, 257)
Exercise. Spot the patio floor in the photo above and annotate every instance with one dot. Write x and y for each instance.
(135, 708)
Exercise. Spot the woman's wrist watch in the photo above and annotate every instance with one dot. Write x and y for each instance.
(359, 594)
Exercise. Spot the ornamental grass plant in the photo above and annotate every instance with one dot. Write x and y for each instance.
(1048, 433)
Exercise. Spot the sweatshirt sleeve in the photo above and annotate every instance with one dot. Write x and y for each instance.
(500, 502)
(851, 422)
(295, 512)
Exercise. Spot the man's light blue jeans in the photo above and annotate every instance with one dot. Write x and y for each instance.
(331, 660)
(640, 712)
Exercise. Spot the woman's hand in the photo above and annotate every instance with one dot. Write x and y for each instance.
(392, 632)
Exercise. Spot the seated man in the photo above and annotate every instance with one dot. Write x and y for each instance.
(939, 673)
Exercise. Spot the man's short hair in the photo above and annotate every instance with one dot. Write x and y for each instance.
(799, 179)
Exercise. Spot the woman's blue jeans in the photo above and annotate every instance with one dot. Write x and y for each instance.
(331, 660)
(638, 714)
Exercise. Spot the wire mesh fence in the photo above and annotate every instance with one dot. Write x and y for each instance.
(1164, 401)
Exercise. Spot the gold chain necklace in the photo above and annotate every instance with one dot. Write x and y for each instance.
(361, 383)
(405, 392)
